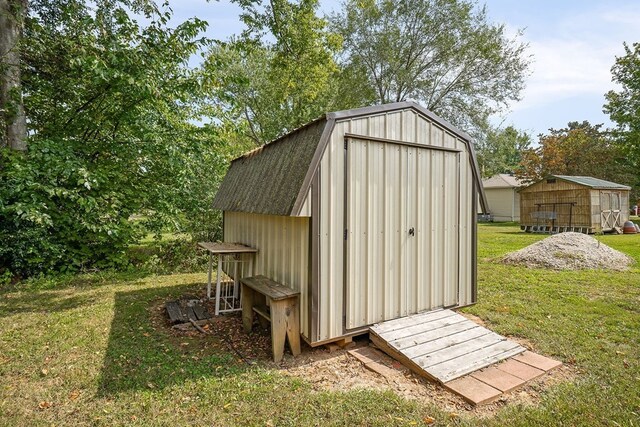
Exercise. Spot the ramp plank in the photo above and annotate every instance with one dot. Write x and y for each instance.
(444, 342)
(403, 322)
(418, 328)
(426, 337)
(442, 345)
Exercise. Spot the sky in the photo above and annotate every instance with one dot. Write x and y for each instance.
(572, 44)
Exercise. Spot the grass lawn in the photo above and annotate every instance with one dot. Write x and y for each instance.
(85, 352)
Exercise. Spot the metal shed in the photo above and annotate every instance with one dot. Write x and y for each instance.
(573, 203)
(369, 213)
(503, 197)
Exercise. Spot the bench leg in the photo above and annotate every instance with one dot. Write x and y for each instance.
(293, 327)
(278, 329)
(247, 308)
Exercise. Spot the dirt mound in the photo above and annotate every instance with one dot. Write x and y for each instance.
(569, 251)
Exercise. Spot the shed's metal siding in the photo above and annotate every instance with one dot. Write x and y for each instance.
(436, 255)
(504, 203)
(283, 250)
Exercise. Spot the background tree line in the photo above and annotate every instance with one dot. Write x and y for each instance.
(110, 132)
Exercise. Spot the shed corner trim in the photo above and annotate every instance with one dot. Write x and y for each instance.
(313, 167)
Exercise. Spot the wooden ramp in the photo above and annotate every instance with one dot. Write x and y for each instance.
(442, 345)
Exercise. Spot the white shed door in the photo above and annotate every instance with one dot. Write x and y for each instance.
(401, 228)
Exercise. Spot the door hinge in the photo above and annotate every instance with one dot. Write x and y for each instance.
(345, 234)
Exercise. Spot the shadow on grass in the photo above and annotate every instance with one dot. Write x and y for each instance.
(143, 353)
(45, 302)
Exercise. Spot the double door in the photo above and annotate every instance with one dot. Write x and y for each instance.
(402, 243)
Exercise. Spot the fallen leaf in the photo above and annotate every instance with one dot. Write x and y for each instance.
(453, 415)
(45, 405)
(44, 372)
(134, 418)
(429, 420)
(227, 406)
(74, 395)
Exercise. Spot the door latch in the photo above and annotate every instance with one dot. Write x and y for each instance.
(412, 232)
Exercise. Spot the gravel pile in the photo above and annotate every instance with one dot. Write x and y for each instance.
(569, 251)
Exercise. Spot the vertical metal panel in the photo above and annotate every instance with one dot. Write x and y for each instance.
(283, 250)
(330, 308)
(467, 230)
(435, 174)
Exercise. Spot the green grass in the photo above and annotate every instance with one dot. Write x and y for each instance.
(90, 347)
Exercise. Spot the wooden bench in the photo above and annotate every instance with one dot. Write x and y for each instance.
(282, 311)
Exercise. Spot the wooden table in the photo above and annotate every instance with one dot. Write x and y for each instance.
(274, 303)
(223, 248)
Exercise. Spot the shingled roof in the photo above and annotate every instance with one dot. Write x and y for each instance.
(273, 179)
(502, 180)
(267, 180)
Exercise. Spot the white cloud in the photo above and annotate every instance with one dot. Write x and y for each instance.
(573, 55)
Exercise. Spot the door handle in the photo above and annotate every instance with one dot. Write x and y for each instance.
(412, 232)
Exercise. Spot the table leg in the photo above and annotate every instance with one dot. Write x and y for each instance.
(219, 275)
(209, 276)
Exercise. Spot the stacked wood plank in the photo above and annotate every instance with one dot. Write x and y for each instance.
(184, 311)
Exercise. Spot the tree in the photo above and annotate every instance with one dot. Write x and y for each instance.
(443, 53)
(110, 107)
(624, 106)
(12, 118)
(277, 74)
(578, 149)
(501, 150)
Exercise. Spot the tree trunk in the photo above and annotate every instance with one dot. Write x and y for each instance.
(12, 117)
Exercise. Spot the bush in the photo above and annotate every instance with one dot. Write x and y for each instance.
(57, 213)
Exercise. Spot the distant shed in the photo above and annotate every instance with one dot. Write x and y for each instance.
(503, 198)
(369, 213)
(573, 203)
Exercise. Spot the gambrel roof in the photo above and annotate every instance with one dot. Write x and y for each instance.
(274, 179)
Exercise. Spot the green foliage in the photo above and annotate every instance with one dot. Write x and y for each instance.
(500, 151)
(444, 53)
(57, 213)
(111, 106)
(578, 149)
(624, 106)
(278, 74)
(180, 254)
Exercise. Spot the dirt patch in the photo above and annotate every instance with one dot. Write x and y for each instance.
(339, 371)
(569, 251)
